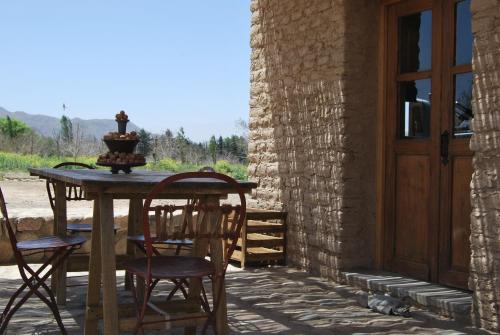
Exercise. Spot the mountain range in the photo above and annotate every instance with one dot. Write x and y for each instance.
(49, 126)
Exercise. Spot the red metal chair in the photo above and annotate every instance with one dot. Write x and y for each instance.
(200, 221)
(162, 243)
(34, 281)
(73, 193)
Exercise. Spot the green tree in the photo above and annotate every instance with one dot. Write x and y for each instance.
(145, 145)
(220, 146)
(182, 144)
(12, 128)
(234, 146)
(212, 148)
(66, 129)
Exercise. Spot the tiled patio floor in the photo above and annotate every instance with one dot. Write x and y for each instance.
(261, 301)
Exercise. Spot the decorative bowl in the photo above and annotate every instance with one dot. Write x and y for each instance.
(126, 146)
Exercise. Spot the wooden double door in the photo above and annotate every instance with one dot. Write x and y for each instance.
(428, 160)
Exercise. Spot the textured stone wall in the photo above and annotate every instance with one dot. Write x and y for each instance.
(28, 228)
(485, 223)
(312, 126)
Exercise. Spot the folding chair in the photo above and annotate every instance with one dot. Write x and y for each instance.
(204, 222)
(34, 281)
(161, 240)
(73, 193)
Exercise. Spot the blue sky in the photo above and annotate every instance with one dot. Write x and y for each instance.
(167, 63)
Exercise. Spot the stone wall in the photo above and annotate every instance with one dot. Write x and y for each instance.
(312, 126)
(28, 228)
(485, 219)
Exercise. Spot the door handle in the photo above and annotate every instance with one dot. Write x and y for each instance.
(445, 141)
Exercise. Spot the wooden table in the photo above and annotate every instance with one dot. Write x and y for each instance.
(102, 187)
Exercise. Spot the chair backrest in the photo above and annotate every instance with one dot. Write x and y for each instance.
(73, 192)
(6, 225)
(191, 221)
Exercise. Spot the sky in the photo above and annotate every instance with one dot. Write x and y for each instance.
(167, 63)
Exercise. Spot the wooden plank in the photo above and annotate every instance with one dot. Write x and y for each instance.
(58, 281)
(261, 240)
(264, 227)
(263, 214)
(81, 262)
(138, 181)
(218, 284)
(259, 255)
(134, 227)
(164, 322)
(108, 265)
(129, 309)
(381, 137)
(243, 253)
(94, 281)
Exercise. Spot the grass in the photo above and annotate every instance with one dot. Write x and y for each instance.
(17, 162)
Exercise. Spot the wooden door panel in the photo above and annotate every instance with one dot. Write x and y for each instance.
(427, 184)
(456, 113)
(460, 213)
(412, 208)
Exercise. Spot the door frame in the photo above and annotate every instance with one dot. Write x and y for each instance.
(381, 141)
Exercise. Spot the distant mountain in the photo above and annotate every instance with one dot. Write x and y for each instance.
(49, 125)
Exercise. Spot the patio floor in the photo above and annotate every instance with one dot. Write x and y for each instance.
(276, 300)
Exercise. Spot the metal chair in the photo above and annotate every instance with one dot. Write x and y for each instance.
(161, 242)
(200, 222)
(73, 193)
(34, 281)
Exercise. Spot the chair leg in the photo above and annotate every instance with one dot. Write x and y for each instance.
(56, 259)
(52, 304)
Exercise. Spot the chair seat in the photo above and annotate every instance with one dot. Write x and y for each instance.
(165, 267)
(51, 242)
(140, 239)
(82, 227)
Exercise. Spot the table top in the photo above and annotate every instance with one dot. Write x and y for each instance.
(140, 181)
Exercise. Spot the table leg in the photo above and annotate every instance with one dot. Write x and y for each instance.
(219, 288)
(58, 280)
(108, 265)
(94, 285)
(134, 228)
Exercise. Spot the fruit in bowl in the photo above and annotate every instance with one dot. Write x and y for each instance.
(123, 146)
(132, 136)
(120, 158)
(122, 116)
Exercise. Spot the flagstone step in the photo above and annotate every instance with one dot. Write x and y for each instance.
(443, 300)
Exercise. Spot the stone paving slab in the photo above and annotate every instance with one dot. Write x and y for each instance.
(277, 300)
(441, 299)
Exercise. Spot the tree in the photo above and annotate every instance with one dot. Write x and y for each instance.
(182, 144)
(212, 148)
(145, 144)
(242, 126)
(12, 128)
(66, 129)
(220, 146)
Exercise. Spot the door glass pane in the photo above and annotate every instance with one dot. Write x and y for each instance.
(463, 33)
(462, 107)
(415, 41)
(415, 108)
